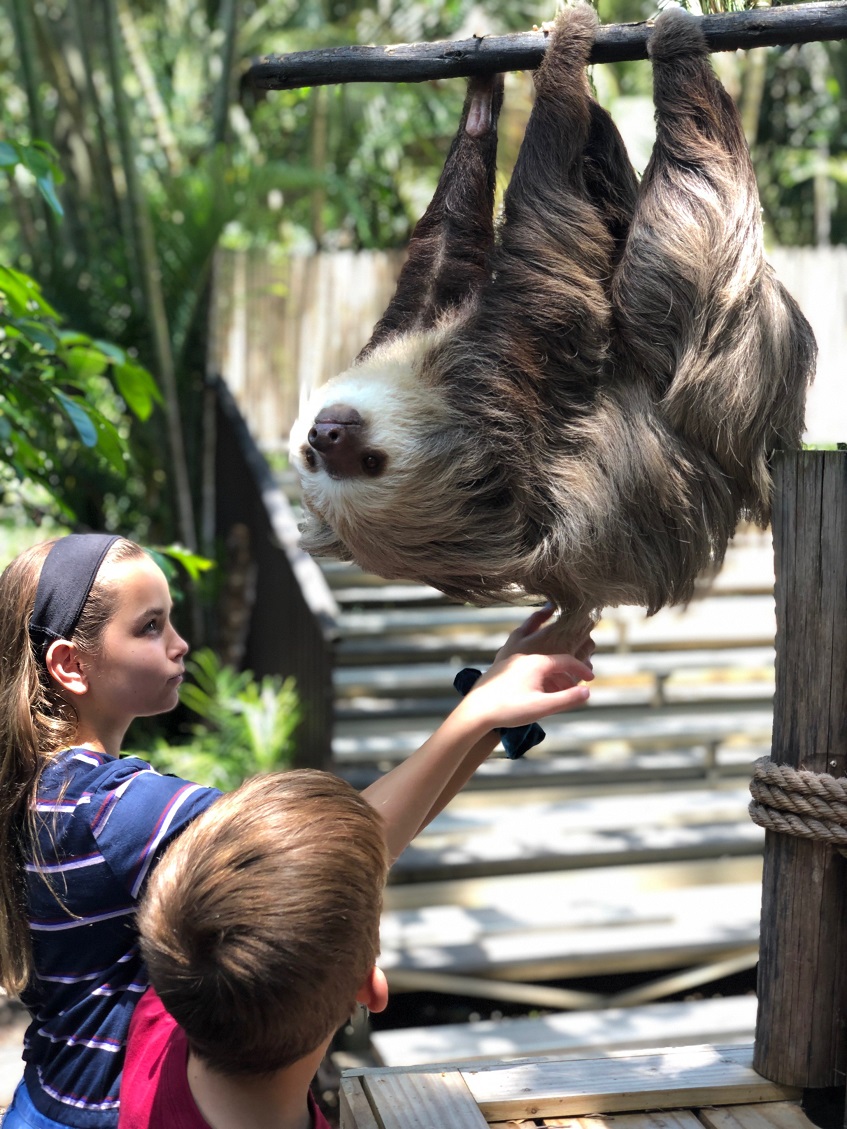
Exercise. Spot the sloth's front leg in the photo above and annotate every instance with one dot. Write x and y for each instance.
(450, 249)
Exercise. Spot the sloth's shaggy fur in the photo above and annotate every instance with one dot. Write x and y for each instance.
(584, 408)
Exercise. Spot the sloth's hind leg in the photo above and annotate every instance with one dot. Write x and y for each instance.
(697, 309)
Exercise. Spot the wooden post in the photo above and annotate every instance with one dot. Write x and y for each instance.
(802, 984)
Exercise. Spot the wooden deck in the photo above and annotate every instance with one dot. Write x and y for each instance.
(704, 1087)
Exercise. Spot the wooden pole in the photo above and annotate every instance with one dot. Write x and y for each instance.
(801, 1028)
(482, 54)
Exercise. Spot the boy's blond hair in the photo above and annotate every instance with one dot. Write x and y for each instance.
(261, 922)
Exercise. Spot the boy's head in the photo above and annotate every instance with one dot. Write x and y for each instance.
(261, 923)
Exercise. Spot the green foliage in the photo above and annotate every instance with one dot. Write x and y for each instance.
(246, 727)
(51, 378)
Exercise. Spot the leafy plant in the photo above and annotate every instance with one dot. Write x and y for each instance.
(247, 725)
(51, 378)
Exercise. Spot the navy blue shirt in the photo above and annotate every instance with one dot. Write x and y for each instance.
(102, 823)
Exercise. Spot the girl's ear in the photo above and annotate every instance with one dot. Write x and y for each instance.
(374, 992)
(65, 667)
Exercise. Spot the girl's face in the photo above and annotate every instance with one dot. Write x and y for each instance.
(140, 665)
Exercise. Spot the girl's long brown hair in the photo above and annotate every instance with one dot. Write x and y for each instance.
(36, 722)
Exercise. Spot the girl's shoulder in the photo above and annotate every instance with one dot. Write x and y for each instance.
(78, 769)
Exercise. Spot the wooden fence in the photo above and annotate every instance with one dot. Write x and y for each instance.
(283, 327)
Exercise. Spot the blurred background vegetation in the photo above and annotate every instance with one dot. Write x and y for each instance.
(131, 148)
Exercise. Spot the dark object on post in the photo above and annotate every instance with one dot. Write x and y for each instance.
(801, 1031)
(417, 62)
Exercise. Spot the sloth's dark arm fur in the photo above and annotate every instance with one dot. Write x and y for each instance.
(450, 250)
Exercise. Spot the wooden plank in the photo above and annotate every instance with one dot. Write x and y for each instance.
(695, 1076)
(672, 726)
(573, 1034)
(625, 893)
(768, 1115)
(423, 1101)
(667, 1119)
(724, 620)
(592, 831)
(354, 1108)
(598, 937)
(427, 677)
(612, 764)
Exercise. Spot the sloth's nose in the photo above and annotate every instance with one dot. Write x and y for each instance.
(337, 428)
(330, 436)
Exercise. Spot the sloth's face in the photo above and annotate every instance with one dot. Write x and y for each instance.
(365, 433)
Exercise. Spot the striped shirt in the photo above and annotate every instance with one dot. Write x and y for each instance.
(102, 822)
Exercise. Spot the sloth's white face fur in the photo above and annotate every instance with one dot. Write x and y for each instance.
(400, 413)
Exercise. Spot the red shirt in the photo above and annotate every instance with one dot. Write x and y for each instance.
(154, 1089)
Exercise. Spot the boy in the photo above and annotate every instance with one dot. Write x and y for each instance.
(252, 989)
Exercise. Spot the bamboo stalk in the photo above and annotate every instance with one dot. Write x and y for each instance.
(418, 62)
(150, 275)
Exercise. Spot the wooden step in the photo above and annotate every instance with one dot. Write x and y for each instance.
(671, 1084)
(575, 1034)
(589, 729)
(566, 929)
(611, 767)
(719, 666)
(722, 621)
(553, 829)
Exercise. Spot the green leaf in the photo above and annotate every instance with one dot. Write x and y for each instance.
(85, 362)
(8, 155)
(23, 293)
(137, 387)
(193, 563)
(115, 353)
(109, 442)
(79, 416)
(48, 190)
(38, 333)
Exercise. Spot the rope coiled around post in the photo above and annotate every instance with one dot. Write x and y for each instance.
(809, 805)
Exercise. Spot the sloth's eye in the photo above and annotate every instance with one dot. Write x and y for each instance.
(373, 464)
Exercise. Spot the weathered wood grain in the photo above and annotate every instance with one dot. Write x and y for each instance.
(354, 1107)
(768, 1115)
(671, 1079)
(423, 1101)
(801, 1033)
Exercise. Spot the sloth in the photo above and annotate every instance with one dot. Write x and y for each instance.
(582, 403)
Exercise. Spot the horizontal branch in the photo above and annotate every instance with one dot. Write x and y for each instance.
(417, 62)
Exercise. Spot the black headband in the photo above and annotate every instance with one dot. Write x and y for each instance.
(66, 578)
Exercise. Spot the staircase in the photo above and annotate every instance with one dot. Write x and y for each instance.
(621, 845)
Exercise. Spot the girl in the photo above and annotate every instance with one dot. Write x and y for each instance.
(86, 645)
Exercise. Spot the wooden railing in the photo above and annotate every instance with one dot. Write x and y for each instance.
(291, 613)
